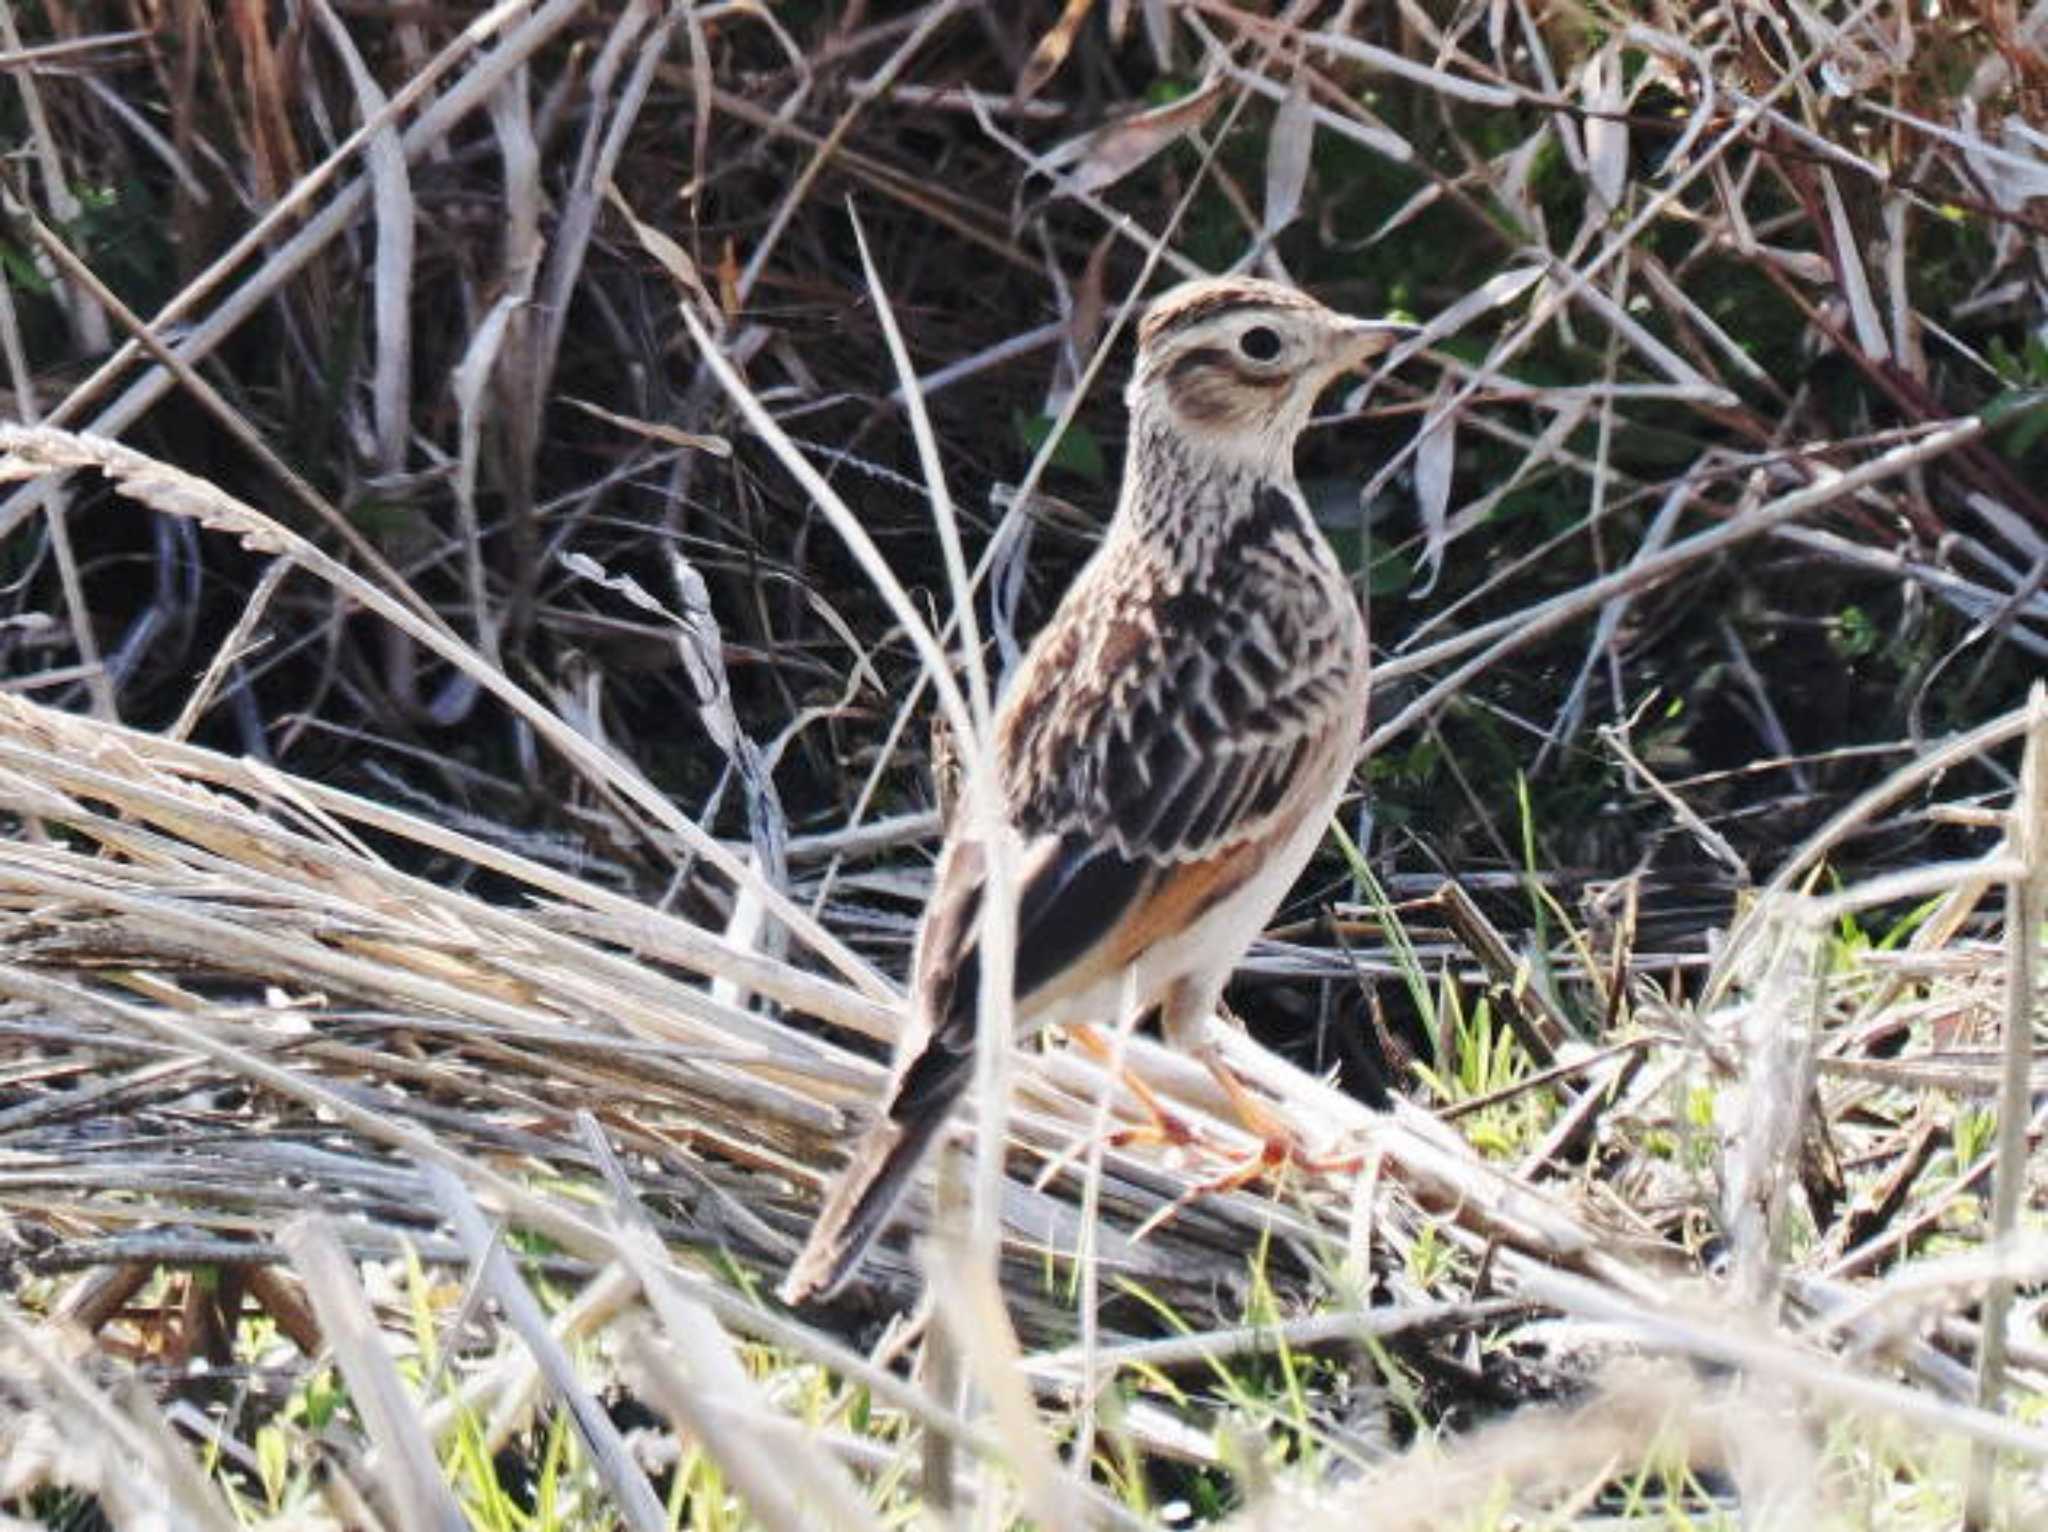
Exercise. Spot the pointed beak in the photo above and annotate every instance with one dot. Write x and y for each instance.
(1361, 340)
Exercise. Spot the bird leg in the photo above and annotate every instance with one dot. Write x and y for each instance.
(1167, 1126)
(1279, 1146)
(1279, 1143)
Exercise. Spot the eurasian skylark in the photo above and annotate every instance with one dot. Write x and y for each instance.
(1174, 743)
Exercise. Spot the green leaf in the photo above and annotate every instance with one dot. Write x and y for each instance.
(1078, 451)
(21, 271)
(2022, 415)
(1854, 634)
(1391, 574)
(273, 1463)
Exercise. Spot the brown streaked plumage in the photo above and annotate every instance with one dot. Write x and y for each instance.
(1173, 744)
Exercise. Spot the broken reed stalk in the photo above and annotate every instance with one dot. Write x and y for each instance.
(2026, 909)
(1777, 1032)
(421, 1497)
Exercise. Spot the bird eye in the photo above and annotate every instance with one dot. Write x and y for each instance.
(1261, 343)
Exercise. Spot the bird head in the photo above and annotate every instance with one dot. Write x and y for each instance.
(1235, 364)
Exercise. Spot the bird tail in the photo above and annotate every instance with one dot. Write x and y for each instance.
(860, 1205)
(934, 1064)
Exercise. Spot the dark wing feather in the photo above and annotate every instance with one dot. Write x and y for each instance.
(1201, 738)
(1144, 735)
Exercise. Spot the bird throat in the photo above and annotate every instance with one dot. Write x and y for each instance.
(1209, 511)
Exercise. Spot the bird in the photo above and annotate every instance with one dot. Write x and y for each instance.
(1172, 746)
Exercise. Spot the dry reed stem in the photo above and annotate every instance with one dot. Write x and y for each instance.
(159, 888)
(34, 451)
(2026, 913)
(751, 1080)
(532, 30)
(420, 1497)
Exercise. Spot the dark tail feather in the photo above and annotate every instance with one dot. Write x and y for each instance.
(860, 1205)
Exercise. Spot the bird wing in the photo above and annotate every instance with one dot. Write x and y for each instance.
(1152, 752)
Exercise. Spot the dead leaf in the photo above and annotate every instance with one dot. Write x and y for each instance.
(1496, 291)
(1109, 153)
(1085, 312)
(1436, 456)
(654, 430)
(729, 280)
(672, 257)
(1606, 133)
(1289, 148)
(1512, 172)
(1854, 279)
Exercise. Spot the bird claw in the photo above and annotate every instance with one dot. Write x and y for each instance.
(1167, 1128)
(1279, 1150)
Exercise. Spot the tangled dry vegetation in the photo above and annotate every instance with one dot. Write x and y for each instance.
(478, 510)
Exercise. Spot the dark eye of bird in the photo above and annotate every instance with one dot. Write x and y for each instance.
(1261, 343)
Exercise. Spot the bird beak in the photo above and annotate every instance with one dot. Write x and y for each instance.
(1361, 340)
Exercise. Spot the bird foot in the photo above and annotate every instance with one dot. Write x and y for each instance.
(1163, 1126)
(1166, 1128)
(1282, 1150)
(1279, 1150)
(1279, 1145)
